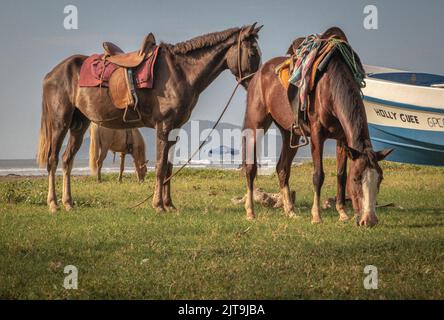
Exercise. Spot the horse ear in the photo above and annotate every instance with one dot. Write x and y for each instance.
(381, 155)
(352, 154)
(256, 31)
(249, 30)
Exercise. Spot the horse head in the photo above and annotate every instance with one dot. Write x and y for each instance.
(364, 181)
(141, 169)
(244, 56)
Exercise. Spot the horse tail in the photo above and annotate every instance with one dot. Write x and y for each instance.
(94, 148)
(45, 137)
(141, 143)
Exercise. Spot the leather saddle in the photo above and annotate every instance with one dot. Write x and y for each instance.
(129, 60)
(121, 83)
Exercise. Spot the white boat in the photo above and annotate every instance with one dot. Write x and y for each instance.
(405, 111)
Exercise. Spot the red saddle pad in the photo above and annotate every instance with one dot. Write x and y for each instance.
(96, 72)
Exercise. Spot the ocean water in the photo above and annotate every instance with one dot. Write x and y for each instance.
(29, 167)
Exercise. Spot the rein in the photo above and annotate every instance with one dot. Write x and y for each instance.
(239, 80)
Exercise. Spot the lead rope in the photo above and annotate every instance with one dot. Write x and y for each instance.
(240, 79)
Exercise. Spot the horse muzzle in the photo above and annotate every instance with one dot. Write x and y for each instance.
(368, 219)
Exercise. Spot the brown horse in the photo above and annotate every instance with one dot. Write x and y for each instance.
(123, 141)
(182, 72)
(335, 111)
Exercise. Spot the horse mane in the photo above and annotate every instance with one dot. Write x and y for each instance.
(203, 41)
(346, 94)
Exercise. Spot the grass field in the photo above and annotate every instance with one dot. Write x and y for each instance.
(208, 250)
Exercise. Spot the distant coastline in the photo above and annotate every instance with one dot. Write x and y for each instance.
(28, 167)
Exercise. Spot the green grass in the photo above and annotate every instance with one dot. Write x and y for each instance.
(208, 250)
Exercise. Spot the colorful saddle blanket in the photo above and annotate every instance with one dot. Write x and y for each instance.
(97, 71)
(304, 66)
(310, 58)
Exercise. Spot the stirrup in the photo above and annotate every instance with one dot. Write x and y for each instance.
(139, 116)
(136, 99)
(304, 137)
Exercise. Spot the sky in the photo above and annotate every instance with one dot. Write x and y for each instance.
(34, 40)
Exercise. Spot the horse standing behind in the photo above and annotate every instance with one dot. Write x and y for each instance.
(335, 111)
(128, 141)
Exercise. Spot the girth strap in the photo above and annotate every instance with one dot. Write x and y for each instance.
(129, 141)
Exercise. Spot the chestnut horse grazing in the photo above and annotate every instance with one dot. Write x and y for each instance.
(335, 111)
(127, 141)
(182, 72)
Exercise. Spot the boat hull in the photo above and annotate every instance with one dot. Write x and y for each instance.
(407, 149)
(415, 132)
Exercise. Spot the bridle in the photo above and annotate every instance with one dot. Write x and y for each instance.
(239, 78)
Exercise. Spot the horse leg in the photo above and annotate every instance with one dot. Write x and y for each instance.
(249, 157)
(162, 129)
(341, 163)
(102, 155)
(78, 128)
(167, 202)
(250, 166)
(283, 169)
(58, 134)
(317, 148)
(256, 118)
(122, 166)
(57, 116)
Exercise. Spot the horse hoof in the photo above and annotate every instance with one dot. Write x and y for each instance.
(69, 207)
(344, 218)
(159, 209)
(316, 220)
(53, 208)
(170, 208)
(251, 216)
